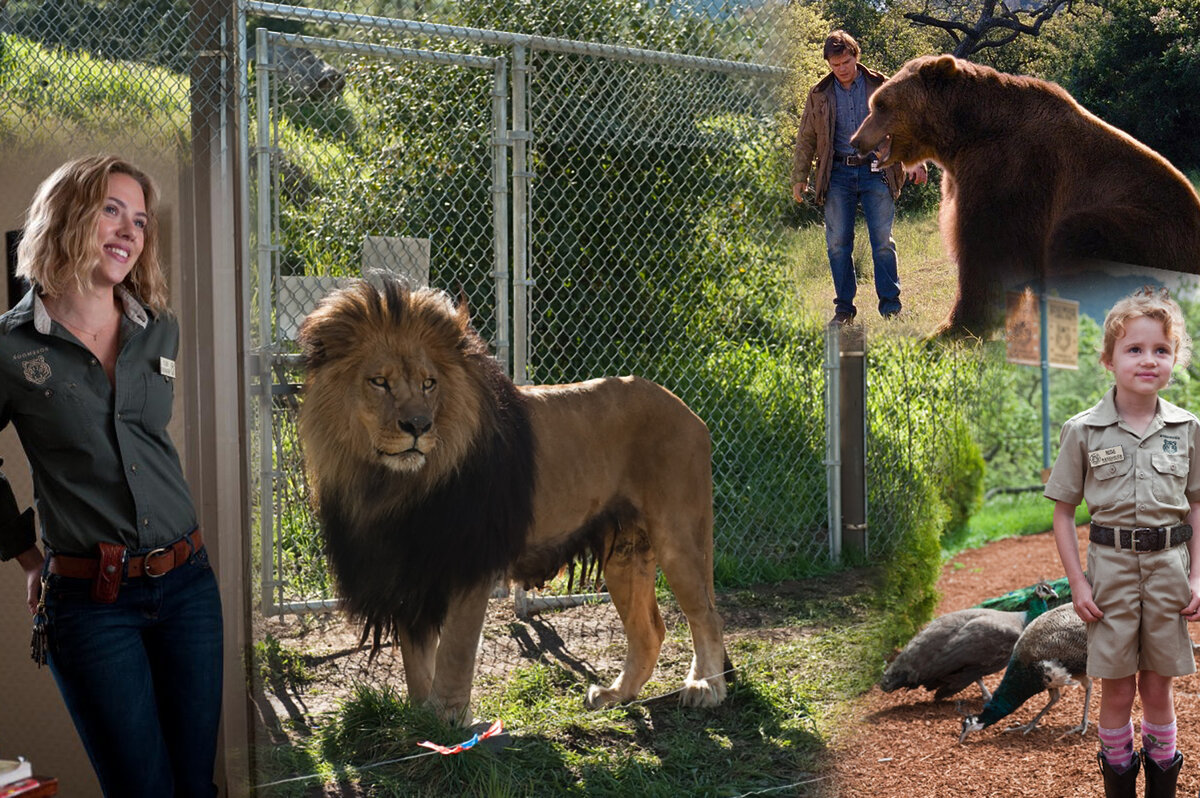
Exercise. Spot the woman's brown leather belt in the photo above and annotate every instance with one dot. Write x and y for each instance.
(152, 564)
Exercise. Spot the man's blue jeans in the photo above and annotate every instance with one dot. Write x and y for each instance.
(142, 678)
(850, 186)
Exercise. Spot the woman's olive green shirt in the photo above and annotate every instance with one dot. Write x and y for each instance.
(104, 468)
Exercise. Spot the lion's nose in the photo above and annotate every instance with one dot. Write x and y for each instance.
(416, 425)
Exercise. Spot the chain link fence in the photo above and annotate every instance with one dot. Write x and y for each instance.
(631, 215)
(602, 184)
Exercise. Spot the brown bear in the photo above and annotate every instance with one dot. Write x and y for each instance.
(1032, 182)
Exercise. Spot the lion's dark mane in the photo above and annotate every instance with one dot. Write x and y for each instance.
(401, 570)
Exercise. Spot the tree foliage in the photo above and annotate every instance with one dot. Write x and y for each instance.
(1137, 66)
(976, 25)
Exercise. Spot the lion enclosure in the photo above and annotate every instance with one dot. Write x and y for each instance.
(613, 251)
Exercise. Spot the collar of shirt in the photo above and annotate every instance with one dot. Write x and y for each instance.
(1104, 414)
(133, 310)
(854, 84)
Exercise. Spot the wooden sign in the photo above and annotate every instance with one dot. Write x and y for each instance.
(1062, 329)
(1022, 327)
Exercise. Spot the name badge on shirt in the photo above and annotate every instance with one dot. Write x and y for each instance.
(1113, 454)
(166, 367)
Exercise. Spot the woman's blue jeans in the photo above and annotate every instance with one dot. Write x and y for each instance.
(142, 678)
(848, 187)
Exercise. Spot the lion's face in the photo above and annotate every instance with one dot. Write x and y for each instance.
(388, 386)
(397, 408)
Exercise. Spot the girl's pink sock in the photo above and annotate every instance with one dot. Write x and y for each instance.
(1116, 746)
(1159, 742)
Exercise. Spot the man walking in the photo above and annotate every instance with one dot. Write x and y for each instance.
(844, 179)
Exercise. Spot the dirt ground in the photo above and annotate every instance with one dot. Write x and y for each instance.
(906, 744)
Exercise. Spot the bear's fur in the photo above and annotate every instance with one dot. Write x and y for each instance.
(1032, 182)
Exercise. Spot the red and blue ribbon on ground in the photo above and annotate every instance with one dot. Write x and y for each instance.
(496, 727)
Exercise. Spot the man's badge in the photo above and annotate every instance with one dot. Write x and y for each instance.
(1099, 457)
(37, 370)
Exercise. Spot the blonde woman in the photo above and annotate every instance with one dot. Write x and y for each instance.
(126, 609)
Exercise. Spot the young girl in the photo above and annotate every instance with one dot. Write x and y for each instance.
(124, 596)
(1134, 459)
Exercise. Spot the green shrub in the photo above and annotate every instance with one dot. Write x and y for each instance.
(958, 475)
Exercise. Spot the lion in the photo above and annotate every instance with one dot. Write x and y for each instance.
(433, 475)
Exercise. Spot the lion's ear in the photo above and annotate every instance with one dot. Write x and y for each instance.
(462, 309)
(312, 347)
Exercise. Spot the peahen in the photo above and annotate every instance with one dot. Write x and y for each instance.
(961, 647)
(1049, 655)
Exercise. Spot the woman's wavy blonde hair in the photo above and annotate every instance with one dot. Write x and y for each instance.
(59, 245)
(1153, 303)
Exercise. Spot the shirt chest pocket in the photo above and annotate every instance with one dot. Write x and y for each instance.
(1112, 471)
(1170, 471)
(154, 399)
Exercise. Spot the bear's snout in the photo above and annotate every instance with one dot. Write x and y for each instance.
(869, 137)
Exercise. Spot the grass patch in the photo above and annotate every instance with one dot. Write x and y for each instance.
(1006, 516)
(50, 88)
(799, 658)
(928, 278)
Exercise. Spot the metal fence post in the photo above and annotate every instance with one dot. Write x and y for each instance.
(521, 175)
(852, 378)
(833, 456)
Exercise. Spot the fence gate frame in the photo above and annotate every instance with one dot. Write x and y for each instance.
(270, 353)
(511, 254)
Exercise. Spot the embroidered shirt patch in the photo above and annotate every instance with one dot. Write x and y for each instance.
(1170, 446)
(37, 370)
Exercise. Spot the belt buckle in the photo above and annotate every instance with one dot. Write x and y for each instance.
(156, 553)
(1137, 539)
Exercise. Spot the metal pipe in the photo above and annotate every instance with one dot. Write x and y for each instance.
(263, 262)
(833, 451)
(503, 38)
(503, 343)
(521, 175)
(383, 50)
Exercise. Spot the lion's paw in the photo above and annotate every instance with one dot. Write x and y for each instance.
(703, 692)
(599, 697)
(455, 715)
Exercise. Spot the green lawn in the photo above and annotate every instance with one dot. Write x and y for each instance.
(1006, 516)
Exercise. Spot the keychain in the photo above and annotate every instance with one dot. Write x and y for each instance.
(37, 644)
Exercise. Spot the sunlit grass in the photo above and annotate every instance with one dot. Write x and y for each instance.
(928, 279)
(60, 91)
(1006, 516)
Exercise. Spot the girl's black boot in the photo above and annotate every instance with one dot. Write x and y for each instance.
(1119, 785)
(1160, 781)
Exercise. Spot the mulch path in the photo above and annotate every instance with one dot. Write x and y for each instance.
(906, 744)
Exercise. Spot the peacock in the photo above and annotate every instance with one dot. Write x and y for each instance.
(1050, 654)
(961, 647)
(1020, 599)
